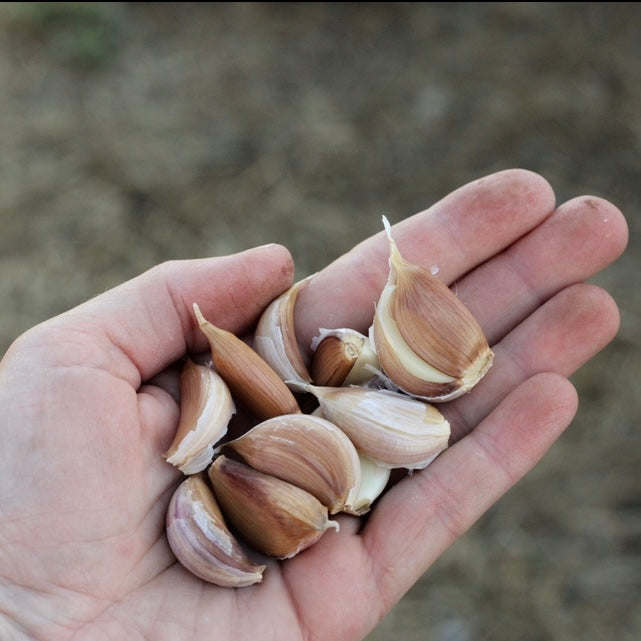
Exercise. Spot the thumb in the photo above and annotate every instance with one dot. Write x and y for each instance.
(140, 327)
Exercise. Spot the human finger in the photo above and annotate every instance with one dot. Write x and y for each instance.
(425, 513)
(578, 240)
(459, 232)
(560, 336)
(159, 414)
(139, 328)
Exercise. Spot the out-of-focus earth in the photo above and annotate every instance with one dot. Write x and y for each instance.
(133, 133)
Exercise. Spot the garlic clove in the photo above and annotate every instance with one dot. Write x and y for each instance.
(374, 479)
(342, 357)
(275, 338)
(275, 517)
(427, 341)
(307, 451)
(392, 429)
(251, 380)
(206, 407)
(201, 541)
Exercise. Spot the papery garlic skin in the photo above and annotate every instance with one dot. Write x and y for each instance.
(392, 429)
(200, 540)
(275, 517)
(427, 341)
(206, 407)
(307, 451)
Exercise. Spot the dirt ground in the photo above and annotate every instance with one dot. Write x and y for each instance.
(132, 133)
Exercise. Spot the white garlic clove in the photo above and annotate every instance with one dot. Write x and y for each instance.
(374, 479)
(393, 429)
(275, 338)
(206, 407)
(251, 380)
(201, 541)
(307, 451)
(275, 517)
(427, 341)
(342, 357)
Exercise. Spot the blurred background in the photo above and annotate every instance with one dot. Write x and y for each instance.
(132, 133)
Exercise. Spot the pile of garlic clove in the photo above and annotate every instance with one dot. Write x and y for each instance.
(272, 490)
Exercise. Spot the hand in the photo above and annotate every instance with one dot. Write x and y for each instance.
(86, 416)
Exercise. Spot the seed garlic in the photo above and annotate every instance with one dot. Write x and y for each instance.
(206, 408)
(342, 357)
(252, 381)
(275, 517)
(392, 429)
(305, 450)
(427, 341)
(277, 484)
(201, 541)
(275, 338)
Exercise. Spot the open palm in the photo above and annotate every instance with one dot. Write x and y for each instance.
(87, 414)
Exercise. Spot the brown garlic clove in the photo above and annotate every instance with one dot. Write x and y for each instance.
(342, 357)
(307, 451)
(394, 430)
(201, 541)
(251, 380)
(427, 341)
(275, 338)
(275, 517)
(206, 407)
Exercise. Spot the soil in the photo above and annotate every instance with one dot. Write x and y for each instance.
(134, 133)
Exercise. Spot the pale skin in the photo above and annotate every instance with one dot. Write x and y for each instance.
(86, 415)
